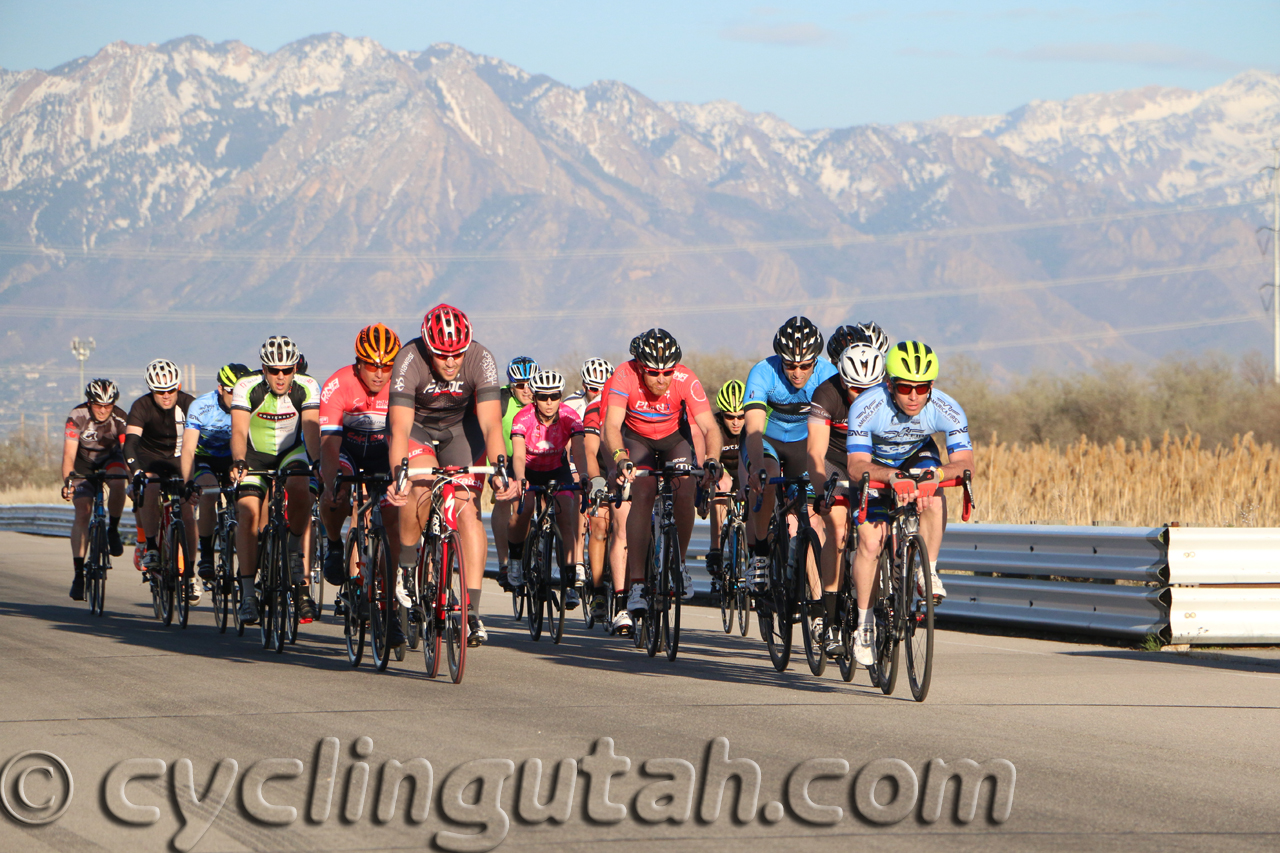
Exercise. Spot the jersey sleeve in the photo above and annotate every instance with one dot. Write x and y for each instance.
(485, 378)
(520, 423)
(591, 417)
(405, 375)
(195, 415)
(240, 394)
(861, 414)
(695, 397)
(575, 422)
(621, 387)
(953, 421)
(821, 405)
(332, 404)
(72, 429)
(310, 393)
(759, 381)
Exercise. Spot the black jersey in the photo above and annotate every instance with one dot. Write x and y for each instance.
(161, 428)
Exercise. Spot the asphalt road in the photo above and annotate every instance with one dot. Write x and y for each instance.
(1113, 749)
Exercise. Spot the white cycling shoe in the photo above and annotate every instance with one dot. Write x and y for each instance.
(864, 640)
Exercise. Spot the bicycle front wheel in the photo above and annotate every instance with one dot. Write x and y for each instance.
(653, 596)
(428, 605)
(728, 589)
(918, 631)
(535, 583)
(456, 603)
(319, 550)
(181, 571)
(353, 622)
(847, 619)
(775, 606)
(381, 602)
(96, 567)
(168, 576)
(553, 555)
(674, 593)
(885, 620)
(814, 647)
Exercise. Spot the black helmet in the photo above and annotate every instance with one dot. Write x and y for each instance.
(230, 374)
(302, 365)
(840, 340)
(635, 345)
(798, 340)
(101, 391)
(657, 350)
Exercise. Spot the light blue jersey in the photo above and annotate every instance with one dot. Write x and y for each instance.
(880, 428)
(767, 386)
(214, 423)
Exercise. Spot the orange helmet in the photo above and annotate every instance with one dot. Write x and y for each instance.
(377, 344)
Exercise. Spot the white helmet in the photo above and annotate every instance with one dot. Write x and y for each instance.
(546, 382)
(596, 372)
(861, 366)
(163, 375)
(876, 335)
(279, 351)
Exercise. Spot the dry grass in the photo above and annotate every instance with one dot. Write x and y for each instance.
(31, 495)
(1128, 484)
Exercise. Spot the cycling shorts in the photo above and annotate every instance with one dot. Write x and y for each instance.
(459, 446)
(348, 468)
(295, 460)
(653, 454)
(218, 466)
(842, 492)
(160, 466)
(562, 475)
(113, 464)
(792, 456)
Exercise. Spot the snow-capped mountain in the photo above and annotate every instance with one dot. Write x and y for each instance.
(335, 180)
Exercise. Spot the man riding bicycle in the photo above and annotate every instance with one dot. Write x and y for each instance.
(275, 426)
(354, 403)
(731, 419)
(445, 411)
(515, 396)
(94, 432)
(890, 431)
(652, 398)
(206, 455)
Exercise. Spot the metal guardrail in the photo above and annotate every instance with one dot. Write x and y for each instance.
(1187, 585)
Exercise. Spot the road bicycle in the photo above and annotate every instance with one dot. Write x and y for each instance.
(168, 589)
(278, 593)
(592, 507)
(735, 595)
(98, 555)
(224, 588)
(367, 595)
(547, 580)
(439, 589)
(793, 575)
(319, 551)
(903, 603)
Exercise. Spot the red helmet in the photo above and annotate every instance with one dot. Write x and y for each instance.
(446, 331)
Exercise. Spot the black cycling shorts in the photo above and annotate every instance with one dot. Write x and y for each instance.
(653, 454)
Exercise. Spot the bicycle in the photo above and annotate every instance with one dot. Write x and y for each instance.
(734, 595)
(903, 605)
(659, 627)
(98, 555)
(225, 589)
(606, 575)
(544, 548)
(788, 597)
(366, 594)
(168, 592)
(441, 602)
(277, 593)
(319, 551)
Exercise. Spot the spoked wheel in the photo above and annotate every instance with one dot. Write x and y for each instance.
(319, 550)
(918, 631)
(282, 601)
(218, 595)
(234, 605)
(381, 602)
(814, 648)
(848, 623)
(517, 602)
(736, 571)
(95, 571)
(674, 595)
(428, 603)
(728, 589)
(353, 622)
(553, 555)
(292, 621)
(456, 604)
(264, 589)
(654, 598)
(886, 642)
(774, 609)
(168, 577)
(534, 584)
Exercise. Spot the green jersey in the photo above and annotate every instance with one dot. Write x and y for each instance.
(275, 423)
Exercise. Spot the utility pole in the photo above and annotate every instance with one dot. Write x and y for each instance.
(1275, 254)
(81, 349)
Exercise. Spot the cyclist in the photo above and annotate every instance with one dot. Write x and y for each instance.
(514, 397)
(275, 425)
(445, 411)
(652, 398)
(594, 373)
(153, 446)
(861, 367)
(543, 438)
(354, 403)
(94, 431)
(609, 520)
(206, 455)
(730, 418)
(890, 430)
(777, 425)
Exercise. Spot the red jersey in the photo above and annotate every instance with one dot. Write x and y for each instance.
(347, 409)
(656, 417)
(545, 444)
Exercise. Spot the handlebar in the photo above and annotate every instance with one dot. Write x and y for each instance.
(924, 484)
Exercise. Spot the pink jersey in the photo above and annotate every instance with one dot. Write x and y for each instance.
(545, 444)
(656, 417)
(347, 409)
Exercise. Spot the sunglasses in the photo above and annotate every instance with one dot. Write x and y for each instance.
(741, 417)
(520, 385)
(591, 388)
(798, 365)
(376, 368)
(279, 371)
(651, 372)
(906, 389)
(544, 398)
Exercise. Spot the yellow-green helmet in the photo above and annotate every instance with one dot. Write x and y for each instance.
(731, 395)
(912, 361)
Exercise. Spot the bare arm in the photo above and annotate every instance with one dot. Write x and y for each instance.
(819, 439)
(311, 432)
(711, 433)
(517, 456)
(239, 440)
(755, 424)
(591, 447)
(613, 418)
(330, 444)
(578, 453)
(69, 448)
(190, 438)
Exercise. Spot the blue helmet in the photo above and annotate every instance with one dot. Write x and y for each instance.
(521, 369)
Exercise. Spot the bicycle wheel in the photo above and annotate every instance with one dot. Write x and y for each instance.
(320, 549)
(535, 583)
(456, 604)
(266, 583)
(517, 602)
(654, 598)
(674, 593)
(181, 570)
(918, 629)
(293, 617)
(218, 592)
(738, 572)
(281, 593)
(96, 566)
(553, 555)
(814, 648)
(728, 590)
(847, 619)
(885, 614)
(773, 609)
(168, 574)
(353, 622)
(379, 595)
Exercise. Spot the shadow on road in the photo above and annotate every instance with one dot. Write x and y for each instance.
(1213, 660)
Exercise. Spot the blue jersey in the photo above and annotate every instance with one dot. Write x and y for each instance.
(767, 386)
(880, 428)
(214, 423)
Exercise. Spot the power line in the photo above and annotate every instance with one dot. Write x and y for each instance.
(1109, 333)
(836, 242)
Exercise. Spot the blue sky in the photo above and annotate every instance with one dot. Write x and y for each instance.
(815, 64)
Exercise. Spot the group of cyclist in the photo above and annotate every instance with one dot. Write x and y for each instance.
(869, 408)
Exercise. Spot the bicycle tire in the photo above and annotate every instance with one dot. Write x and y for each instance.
(918, 633)
(280, 592)
(886, 640)
(653, 577)
(847, 616)
(96, 567)
(378, 591)
(773, 609)
(320, 549)
(179, 533)
(517, 602)
(814, 648)
(737, 572)
(168, 569)
(353, 622)
(557, 591)
(674, 595)
(265, 581)
(293, 617)
(728, 589)
(534, 583)
(428, 601)
(218, 589)
(456, 603)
